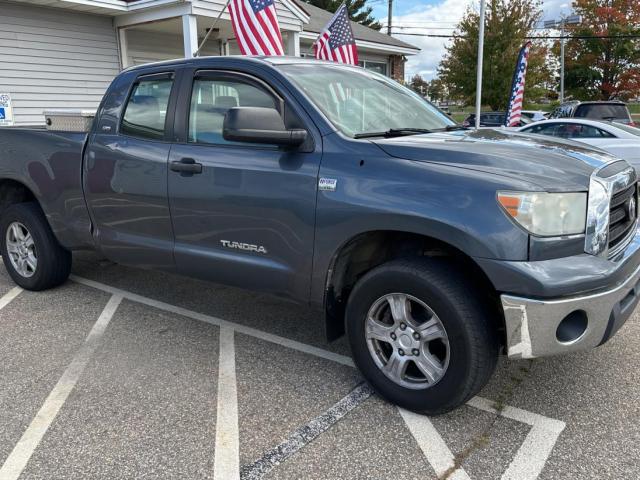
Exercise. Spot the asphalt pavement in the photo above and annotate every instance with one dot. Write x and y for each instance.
(125, 373)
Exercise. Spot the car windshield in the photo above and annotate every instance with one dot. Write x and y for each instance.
(602, 111)
(628, 128)
(360, 102)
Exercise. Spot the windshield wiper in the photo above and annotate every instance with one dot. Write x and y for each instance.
(452, 128)
(393, 132)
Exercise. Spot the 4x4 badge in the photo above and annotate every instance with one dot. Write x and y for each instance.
(327, 184)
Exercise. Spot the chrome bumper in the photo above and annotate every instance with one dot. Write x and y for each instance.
(532, 325)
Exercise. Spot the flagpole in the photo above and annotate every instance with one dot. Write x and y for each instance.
(206, 37)
(480, 61)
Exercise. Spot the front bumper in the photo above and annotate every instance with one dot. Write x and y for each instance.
(538, 328)
(597, 294)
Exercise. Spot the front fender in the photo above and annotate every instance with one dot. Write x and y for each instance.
(454, 205)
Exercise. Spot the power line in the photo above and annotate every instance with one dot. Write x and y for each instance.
(536, 37)
(427, 27)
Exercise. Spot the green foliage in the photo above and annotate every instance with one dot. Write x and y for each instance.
(507, 24)
(419, 84)
(358, 10)
(603, 68)
(438, 90)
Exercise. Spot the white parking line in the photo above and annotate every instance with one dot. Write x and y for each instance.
(432, 445)
(538, 444)
(227, 449)
(285, 342)
(527, 464)
(19, 457)
(9, 296)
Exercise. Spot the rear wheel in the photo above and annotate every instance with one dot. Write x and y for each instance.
(420, 334)
(32, 255)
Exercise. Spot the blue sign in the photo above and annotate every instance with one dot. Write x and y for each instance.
(2, 115)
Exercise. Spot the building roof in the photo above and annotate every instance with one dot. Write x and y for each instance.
(318, 19)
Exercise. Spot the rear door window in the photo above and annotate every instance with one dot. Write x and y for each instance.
(146, 109)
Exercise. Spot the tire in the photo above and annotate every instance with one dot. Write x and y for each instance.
(445, 364)
(52, 261)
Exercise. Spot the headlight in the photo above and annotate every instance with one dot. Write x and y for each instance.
(547, 214)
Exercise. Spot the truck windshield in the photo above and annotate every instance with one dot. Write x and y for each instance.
(359, 102)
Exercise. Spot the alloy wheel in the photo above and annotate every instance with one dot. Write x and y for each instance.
(407, 341)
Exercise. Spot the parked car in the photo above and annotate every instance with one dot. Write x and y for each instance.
(613, 111)
(616, 138)
(433, 246)
(535, 115)
(492, 119)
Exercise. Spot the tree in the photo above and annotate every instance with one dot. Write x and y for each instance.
(507, 24)
(437, 90)
(603, 68)
(358, 10)
(419, 84)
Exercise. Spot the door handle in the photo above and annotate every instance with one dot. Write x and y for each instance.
(186, 166)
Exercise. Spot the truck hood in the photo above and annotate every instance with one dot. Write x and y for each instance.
(551, 164)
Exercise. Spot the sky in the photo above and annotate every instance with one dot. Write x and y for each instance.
(440, 16)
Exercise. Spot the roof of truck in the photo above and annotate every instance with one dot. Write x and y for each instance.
(283, 60)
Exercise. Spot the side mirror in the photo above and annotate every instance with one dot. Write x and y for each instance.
(259, 125)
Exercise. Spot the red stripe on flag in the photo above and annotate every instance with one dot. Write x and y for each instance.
(266, 34)
(270, 13)
(237, 28)
(249, 21)
(246, 44)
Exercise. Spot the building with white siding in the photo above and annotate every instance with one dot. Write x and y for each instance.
(64, 53)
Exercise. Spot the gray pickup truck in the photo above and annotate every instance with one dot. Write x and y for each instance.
(434, 247)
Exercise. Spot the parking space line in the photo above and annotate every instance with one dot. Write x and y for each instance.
(306, 434)
(527, 464)
(538, 444)
(9, 296)
(21, 453)
(285, 342)
(227, 449)
(432, 445)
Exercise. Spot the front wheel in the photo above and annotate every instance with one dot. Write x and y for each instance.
(420, 334)
(30, 252)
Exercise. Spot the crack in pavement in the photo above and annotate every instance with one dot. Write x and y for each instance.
(484, 438)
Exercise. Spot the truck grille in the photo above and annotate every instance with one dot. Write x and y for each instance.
(623, 212)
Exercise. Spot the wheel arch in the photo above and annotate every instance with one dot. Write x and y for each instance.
(366, 250)
(13, 191)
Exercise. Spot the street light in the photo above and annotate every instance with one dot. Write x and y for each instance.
(560, 24)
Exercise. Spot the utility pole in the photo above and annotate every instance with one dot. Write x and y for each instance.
(389, 17)
(480, 55)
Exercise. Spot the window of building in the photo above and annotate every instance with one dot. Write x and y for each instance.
(378, 67)
(146, 110)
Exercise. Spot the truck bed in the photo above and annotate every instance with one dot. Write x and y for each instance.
(49, 164)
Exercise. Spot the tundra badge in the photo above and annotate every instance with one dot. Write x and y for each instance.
(244, 246)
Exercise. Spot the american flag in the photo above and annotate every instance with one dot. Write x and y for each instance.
(514, 112)
(255, 25)
(336, 42)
